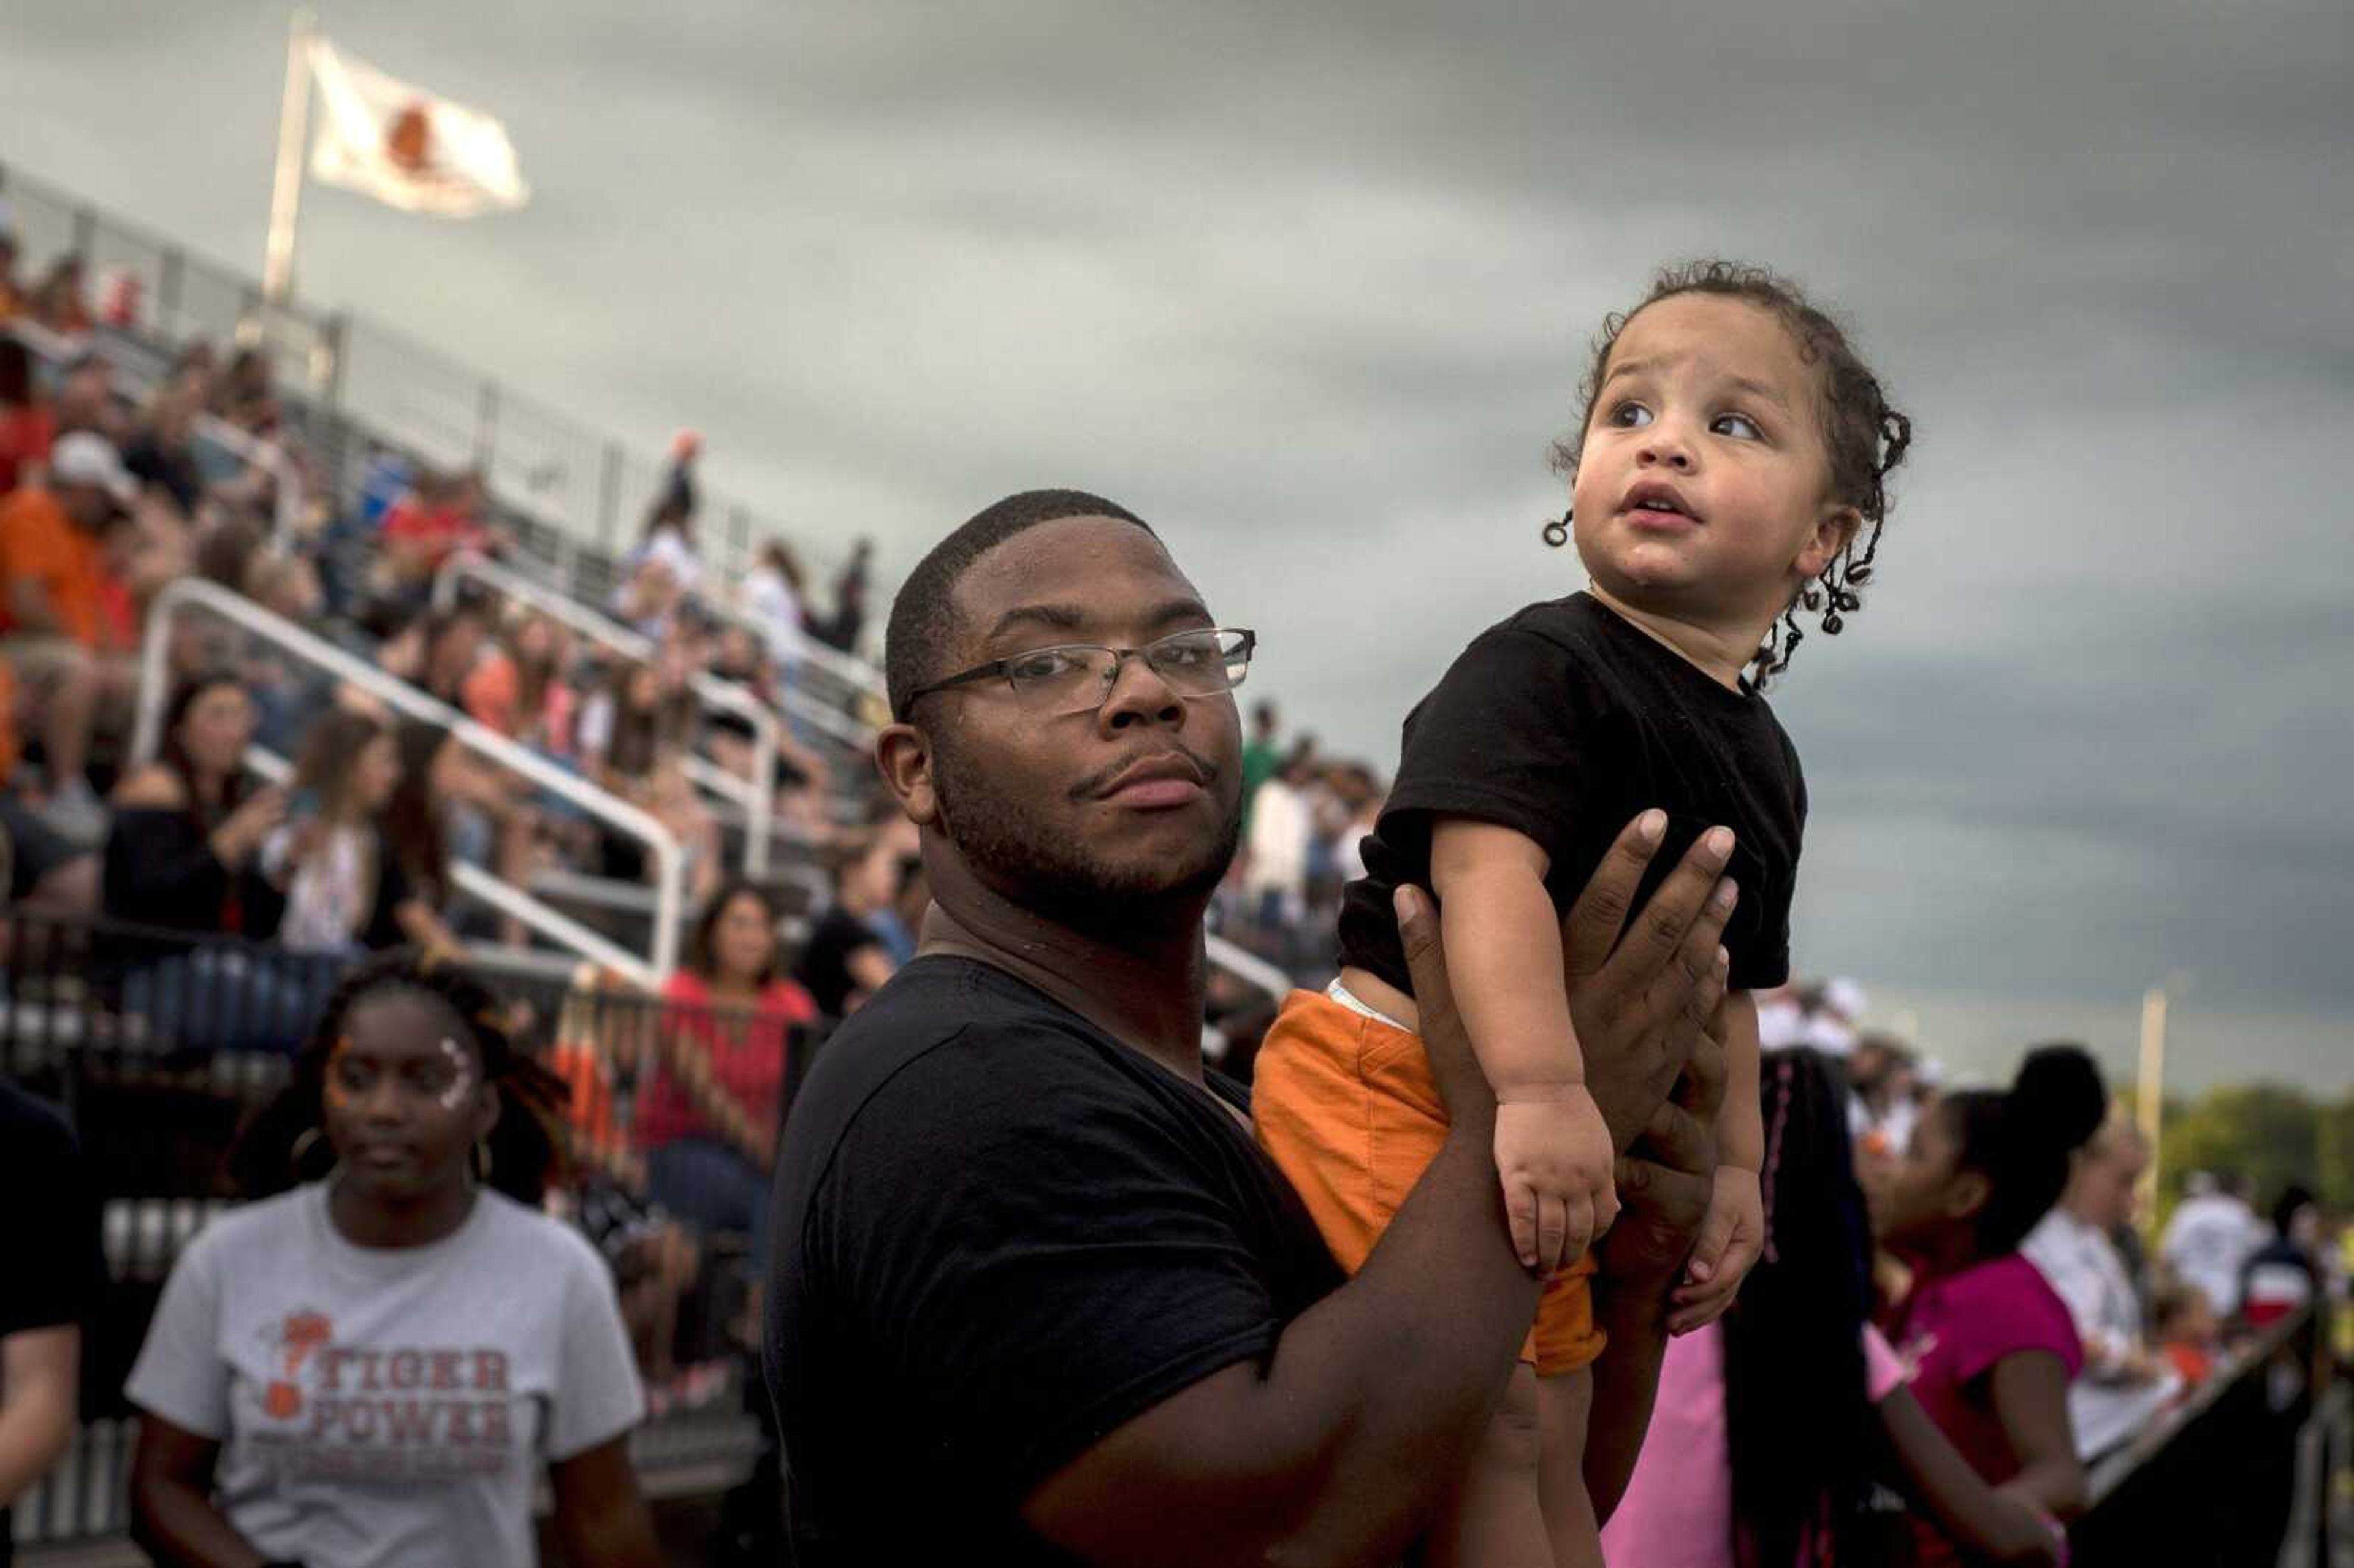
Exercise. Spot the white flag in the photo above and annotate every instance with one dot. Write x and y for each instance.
(406, 147)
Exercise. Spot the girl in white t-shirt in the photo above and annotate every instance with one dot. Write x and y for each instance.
(373, 1363)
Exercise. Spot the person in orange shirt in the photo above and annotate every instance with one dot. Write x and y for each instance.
(52, 586)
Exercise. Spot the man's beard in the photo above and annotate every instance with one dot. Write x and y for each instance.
(1015, 848)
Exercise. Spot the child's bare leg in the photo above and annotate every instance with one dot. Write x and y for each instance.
(1564, 1403)
(1495, 1521)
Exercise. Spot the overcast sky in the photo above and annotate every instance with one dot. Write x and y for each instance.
(1308, 286)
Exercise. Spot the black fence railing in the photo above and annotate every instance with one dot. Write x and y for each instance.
(2213, 1483)
(159, 1045)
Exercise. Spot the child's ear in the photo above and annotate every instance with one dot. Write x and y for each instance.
(1835, 530)
(1966, 1194)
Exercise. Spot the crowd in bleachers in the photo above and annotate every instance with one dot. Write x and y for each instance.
(207, 906)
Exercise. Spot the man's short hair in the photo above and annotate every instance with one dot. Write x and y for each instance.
(923, 617)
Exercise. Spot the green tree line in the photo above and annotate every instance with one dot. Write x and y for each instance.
(2272, 1134)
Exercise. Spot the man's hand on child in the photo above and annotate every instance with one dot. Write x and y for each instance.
(1555, 1156)
(1730, 1240)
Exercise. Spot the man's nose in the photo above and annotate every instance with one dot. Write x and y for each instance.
(1139, 696)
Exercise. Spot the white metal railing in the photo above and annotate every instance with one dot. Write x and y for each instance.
(649, 970)
(286, 479)
(1248, 967)
(754, 795)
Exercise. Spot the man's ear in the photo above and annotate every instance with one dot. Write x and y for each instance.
(904, 756)
(1835, 530)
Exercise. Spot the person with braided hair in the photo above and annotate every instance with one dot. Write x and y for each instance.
(1729, 473)
(370, 1364)
(1774, 1424)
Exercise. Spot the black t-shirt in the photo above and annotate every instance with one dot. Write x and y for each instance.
(1561, 724)
(1001, 1234)
(824, 966)
(56, 1268)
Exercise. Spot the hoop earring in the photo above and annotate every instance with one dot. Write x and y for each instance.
(482, 1162)
(303, 1145)
(1556, 533)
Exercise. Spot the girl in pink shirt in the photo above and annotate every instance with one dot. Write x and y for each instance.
(1991, 1345)
(1771, 1425)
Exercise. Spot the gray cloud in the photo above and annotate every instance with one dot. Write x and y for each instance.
(1309, 286)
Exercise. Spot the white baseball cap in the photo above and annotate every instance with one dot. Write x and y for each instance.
(84, 458)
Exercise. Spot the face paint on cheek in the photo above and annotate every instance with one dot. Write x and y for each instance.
(461, 1076)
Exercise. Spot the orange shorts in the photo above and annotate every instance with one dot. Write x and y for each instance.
(1346, 1106)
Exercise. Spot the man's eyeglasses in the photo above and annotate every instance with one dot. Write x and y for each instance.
(1078, 677)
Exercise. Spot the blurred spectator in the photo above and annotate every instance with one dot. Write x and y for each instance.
(1992, 1345)
(436, 520)
(1782, 1020)
(27, 430)
(453, 807)
(2188, 1332)
(669, 540)
(648, 600)
(2284, 1276)
(1830, 1028)
(1882, 1105)
(261, 1437)
(59, 302)
(841, 631)
(84, 400)
(185, 854)
(164, 452)
(1363, 795)
(184, 849)
(14, 299)
(848, 955)
(122, 295)
(2124, 1381)
(452, 642)
(2211, 1237)
(243, 394)
(710, 1114)
(70, 677)
(1275, 869)
(1262, 756)
(802, 776)
(50, 1291)
(643, 712)
(772, 597)
(346, 891)
(520, 689)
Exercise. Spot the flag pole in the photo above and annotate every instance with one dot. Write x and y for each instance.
(2151, 1085)
(286, 189)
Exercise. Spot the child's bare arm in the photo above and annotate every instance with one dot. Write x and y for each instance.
(1503, 951)
(1554, 1151)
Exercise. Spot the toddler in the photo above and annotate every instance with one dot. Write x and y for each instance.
(1726, 474)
